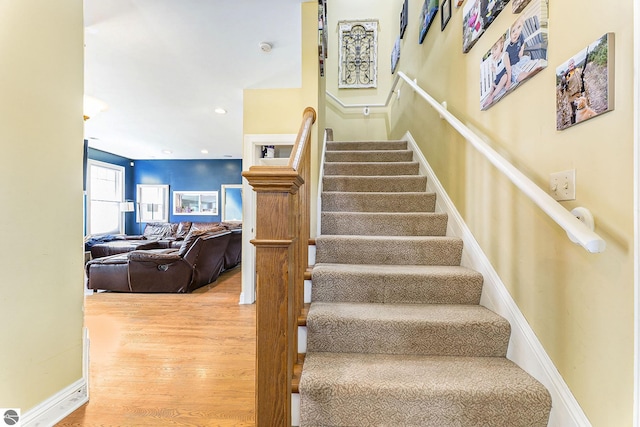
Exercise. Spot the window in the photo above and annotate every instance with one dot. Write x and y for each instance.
(232, 202)
(105, 191)
(195, 203)
(153, 203)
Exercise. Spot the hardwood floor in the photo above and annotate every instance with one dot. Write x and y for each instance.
(171, 359)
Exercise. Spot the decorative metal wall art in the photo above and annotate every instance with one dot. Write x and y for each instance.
(358, 54)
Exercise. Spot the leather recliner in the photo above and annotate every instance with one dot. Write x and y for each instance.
(198, 262)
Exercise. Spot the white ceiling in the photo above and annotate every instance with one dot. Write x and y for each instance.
(163, 66)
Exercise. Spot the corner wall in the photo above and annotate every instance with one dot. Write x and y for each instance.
(580, 305)
(41, 262)
(279, 111)
(351, 123)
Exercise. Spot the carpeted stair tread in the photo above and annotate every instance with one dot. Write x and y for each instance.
(409, 284)
(411, 183)
(355, 390)
(385, 223)
(426, 329)
(395, 333)
(368, 156)
(340, 201)
(366, 145)
(394, 250)
(371, 168)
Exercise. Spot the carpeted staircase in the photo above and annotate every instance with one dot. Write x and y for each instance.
(395, 332)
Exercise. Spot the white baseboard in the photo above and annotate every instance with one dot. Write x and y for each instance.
(60, 405)
(524, 347)
(295, 409)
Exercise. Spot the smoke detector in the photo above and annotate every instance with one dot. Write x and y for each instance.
(265, 47)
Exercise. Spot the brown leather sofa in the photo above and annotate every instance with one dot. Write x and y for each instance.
(156, 235)
(198, 262)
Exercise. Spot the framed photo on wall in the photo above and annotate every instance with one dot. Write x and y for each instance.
(404, 18)
(584, 83)
(518, 5)
(395, 55)
(477, 17)
(429, 10)
(517, 55)
(445, 13)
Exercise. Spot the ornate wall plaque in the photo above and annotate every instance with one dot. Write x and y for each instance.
(358, 54)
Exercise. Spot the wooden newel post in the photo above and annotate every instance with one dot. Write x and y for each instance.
(279, 267)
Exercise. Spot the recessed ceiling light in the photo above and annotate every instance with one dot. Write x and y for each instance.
(204, 151)
(167, 151)
(220, 110)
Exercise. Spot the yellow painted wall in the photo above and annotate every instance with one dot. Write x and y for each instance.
(41, 260)
(351, 123)
(279, 111)
(580, 305)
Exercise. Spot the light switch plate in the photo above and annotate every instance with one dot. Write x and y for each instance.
(562, 185)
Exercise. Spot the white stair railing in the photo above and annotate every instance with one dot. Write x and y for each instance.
(571, 222)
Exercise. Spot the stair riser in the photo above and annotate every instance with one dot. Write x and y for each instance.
(426, 251)
(356, 409)
(378, 202)
(366, 145)
(393, 289)
(384, 224)
(372, 169)
(369, 156)
(374, 184)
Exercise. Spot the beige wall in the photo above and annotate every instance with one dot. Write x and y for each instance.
(580, 305)
(279, 111)
(351, 123)
(41, 134)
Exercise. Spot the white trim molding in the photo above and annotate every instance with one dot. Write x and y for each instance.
(636, 211)
(60, 405)
(524, 347)
(252, 148)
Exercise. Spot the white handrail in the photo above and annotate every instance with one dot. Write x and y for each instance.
(576, 230)
(343, 105)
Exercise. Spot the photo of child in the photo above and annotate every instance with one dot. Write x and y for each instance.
(477, 16)
(501, 69)
(520, 63)
(519, 54)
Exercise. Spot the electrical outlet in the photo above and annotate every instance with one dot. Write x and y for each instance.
(562, 185)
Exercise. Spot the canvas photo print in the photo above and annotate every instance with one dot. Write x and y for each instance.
(584, 83)
(395, 55)
(477, 16)
(428, 13)
(519, 54)
(518, 5)
(404, 18)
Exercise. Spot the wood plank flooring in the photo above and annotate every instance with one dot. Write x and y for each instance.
(171, 359)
